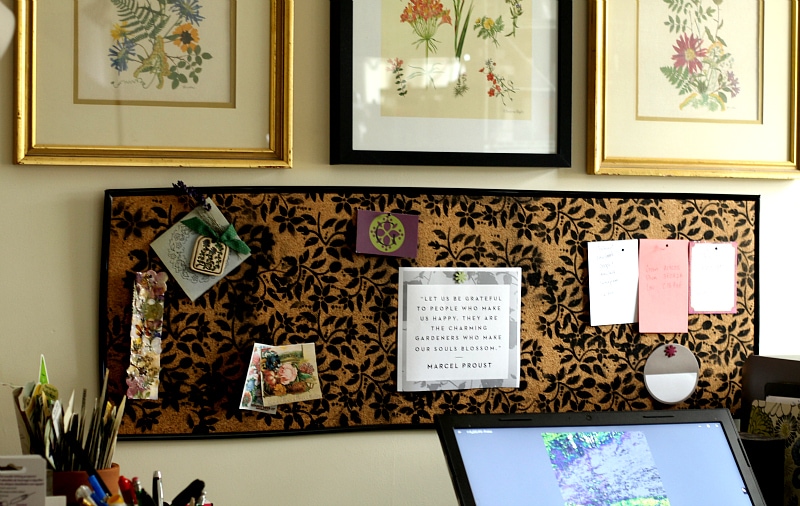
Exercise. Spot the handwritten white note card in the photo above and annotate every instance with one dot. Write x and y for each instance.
(613, 281)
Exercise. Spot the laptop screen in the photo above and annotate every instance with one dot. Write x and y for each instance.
(673, 458)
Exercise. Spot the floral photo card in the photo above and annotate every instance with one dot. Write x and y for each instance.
(280, 375)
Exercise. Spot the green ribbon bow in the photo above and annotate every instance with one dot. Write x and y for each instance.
(228, 237)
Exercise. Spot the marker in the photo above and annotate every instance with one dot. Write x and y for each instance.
(194, 489)
(126, 489)
(84, 494)
(101, 489)
(141, 494)
(98, 495)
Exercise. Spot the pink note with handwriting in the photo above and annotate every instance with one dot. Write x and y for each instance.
(663, 286)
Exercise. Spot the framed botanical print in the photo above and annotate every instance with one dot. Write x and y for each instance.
(154, 83)
(462, 82)
(704, 88)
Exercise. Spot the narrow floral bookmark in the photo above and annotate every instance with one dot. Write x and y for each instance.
(146, 323)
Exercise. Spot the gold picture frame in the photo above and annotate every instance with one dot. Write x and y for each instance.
(651, 106)
(251, 127)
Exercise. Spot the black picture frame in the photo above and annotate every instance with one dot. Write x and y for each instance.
(342, 150)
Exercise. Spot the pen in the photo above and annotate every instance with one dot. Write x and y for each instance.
(19, 498)
(145, 499)
(141, 495)
(158, 489)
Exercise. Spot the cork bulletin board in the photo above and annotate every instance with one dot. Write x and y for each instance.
(304, 283)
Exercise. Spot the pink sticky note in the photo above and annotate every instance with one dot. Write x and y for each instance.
(663, 286)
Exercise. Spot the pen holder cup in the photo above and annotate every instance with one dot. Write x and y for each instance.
(66, 483)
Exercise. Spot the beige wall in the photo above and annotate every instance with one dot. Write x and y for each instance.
(50, 256)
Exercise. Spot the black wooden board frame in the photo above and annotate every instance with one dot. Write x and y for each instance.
(384, 198)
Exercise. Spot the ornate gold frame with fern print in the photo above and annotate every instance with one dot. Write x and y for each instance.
(689, 64)
(252, 128)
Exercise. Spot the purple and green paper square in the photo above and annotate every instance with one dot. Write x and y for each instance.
(388, 234)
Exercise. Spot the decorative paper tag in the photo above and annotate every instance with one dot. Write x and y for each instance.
(146, 322)
(175, 248)
(209, 257)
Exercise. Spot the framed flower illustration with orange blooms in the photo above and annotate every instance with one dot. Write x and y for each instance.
(141, 82)
(709, 87)
(451, 82)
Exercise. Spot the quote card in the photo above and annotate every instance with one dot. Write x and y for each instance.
(712, 279)
(459, 328)
(663, 286)
(613, 281)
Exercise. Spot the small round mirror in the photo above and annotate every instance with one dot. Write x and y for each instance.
(671, 373)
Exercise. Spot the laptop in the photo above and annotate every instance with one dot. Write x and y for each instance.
(653, 458)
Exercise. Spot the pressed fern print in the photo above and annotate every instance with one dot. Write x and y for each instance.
(158, 41)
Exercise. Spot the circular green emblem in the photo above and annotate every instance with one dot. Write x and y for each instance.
(387, 233)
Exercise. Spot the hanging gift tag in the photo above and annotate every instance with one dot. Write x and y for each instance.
(209, 257)
(183, 246)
